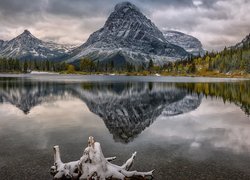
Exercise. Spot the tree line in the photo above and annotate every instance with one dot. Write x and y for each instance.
(85, 65)
(24, 66)
(227, 61)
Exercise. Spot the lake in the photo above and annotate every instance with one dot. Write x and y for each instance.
(184, 128)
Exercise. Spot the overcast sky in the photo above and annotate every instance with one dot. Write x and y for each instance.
(217, 23)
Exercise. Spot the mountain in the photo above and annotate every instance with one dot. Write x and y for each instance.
(2, 42)
(187, 42)
(27, 46)
(128, 36)
(244, 43)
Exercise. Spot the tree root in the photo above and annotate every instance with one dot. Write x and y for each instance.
(94, 166)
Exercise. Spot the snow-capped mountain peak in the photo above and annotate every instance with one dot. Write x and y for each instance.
(128, 36)
(25, 39)
(27, 46)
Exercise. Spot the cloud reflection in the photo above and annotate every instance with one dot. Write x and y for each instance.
(211, 127)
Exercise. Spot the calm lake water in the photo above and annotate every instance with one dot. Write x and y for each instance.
(184, 128)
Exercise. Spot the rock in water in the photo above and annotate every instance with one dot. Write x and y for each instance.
(128, 37)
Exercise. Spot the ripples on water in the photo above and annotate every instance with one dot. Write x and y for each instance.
(183, 128)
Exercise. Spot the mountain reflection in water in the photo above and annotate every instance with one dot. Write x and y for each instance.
(126, 108)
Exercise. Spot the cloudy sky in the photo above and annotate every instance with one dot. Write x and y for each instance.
(217, 23)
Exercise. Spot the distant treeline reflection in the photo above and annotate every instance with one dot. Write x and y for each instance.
(233, 92)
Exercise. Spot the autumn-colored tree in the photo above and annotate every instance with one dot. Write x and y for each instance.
(70, 69)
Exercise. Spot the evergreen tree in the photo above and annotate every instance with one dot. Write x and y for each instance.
(150, 65)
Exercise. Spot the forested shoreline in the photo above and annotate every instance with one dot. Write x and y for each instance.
(229, 62)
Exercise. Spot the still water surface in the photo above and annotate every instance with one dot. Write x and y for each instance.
(184, 128)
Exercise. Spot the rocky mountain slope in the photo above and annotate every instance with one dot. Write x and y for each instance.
(1, 44)
(244, 43)
(128, 36)
(27, 46)
(187, 42)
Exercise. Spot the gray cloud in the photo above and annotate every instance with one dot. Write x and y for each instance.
(217, 23)
(10, 7)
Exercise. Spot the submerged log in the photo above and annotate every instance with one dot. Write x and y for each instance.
(94, 166)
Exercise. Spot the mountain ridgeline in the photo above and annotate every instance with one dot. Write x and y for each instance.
(28, 47)
(127, 36)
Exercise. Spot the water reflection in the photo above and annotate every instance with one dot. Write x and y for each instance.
(126, 108)
(215, 126)
(237, 93)
(200, 128)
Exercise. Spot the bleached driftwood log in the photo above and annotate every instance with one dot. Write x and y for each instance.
(93, 165)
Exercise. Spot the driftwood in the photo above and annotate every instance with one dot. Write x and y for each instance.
(94, 166)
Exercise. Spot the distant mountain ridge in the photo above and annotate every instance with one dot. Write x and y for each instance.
(27, 46)
(187, 42)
